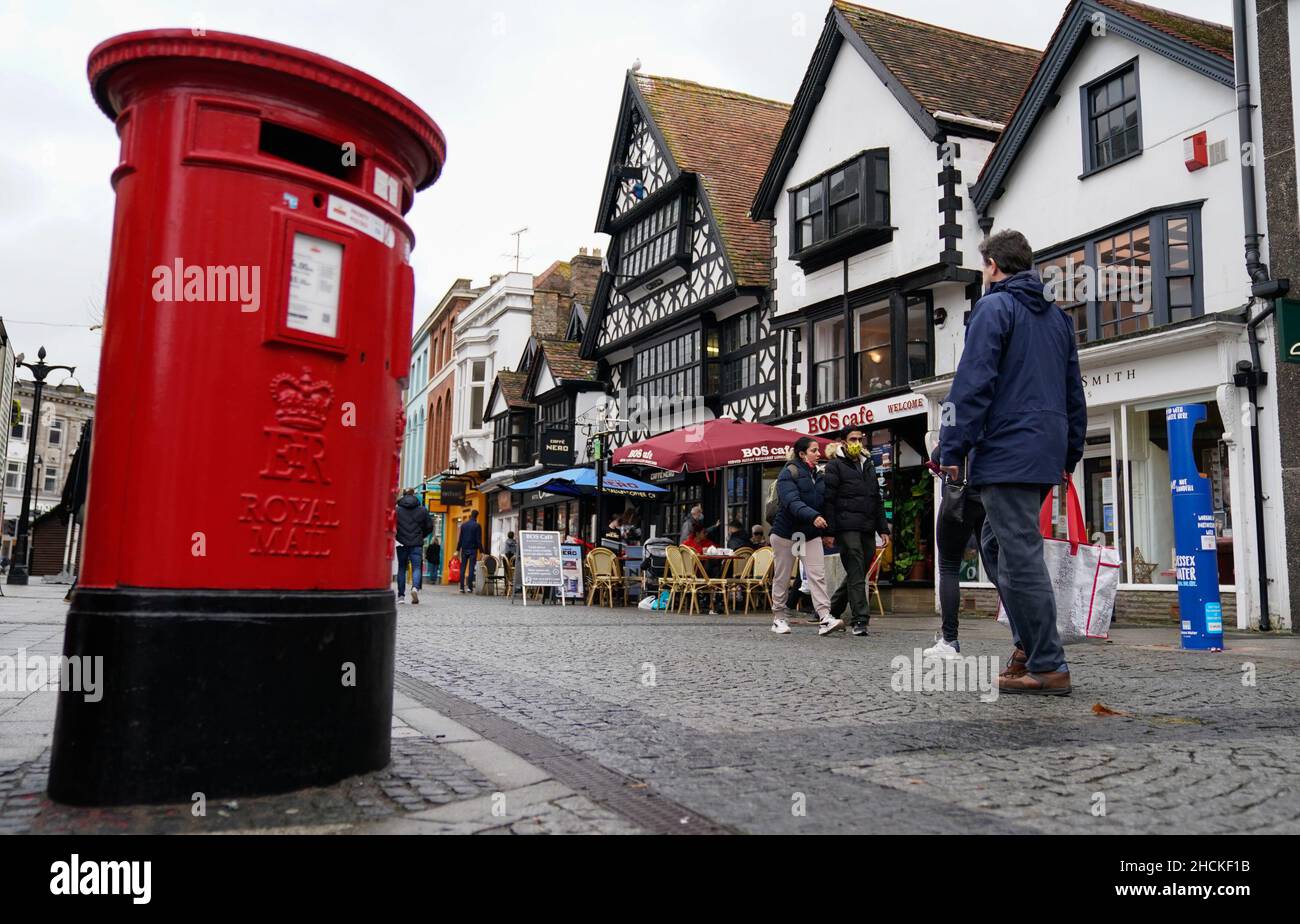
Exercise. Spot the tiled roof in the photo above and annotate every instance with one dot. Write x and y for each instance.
(727, 138)
(512, 388)
(560, 267)
(946, 70)
(1208, 36)
(564, 362)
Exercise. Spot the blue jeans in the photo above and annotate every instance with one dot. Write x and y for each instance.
(411, 554)
(1012, 549)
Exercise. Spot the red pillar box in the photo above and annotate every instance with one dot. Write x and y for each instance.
(239, 530)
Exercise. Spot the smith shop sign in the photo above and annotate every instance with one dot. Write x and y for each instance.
(557, 448)
(1288, 323)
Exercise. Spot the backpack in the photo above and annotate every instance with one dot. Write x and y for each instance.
(773, 505)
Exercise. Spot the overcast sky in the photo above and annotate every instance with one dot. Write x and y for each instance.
(526, 93)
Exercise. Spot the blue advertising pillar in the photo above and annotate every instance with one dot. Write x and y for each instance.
(1195, 537)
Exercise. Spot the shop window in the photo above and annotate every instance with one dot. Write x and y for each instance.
(681, 499)
(738, 481)
(920, 362)
(875, 348)
(828, 360)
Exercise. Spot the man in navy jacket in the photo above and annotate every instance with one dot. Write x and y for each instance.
(1017, 413)
(468, 542)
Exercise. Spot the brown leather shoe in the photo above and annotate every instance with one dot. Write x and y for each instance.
(1055, 683)
(1017, 665)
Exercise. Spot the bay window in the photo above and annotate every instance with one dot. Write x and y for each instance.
(1133, 277)
(845, 207)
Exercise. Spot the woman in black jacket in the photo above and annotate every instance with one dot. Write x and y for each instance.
(797, 531)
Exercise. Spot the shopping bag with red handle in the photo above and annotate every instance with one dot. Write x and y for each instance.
(1085, 578)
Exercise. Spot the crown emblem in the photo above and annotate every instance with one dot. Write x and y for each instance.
(301, 402)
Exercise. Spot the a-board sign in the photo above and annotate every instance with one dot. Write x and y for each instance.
(571, 568)
(539, 558)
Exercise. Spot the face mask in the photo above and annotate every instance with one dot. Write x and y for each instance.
(853, 450)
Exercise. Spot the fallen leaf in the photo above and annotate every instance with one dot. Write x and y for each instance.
(1103, 709)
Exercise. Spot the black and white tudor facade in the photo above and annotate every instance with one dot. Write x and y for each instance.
(679, 323)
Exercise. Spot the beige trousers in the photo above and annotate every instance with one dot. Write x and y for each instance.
(814, 570)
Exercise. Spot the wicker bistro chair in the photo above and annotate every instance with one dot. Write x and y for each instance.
(606, 577)
(698, 580)
(755, 577)
(735, 569)
(493, 574)
(873, 581)
(675, 574)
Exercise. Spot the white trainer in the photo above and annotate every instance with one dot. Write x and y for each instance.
(780, 626)
(830, 624)
(943, 650)
(415, 595)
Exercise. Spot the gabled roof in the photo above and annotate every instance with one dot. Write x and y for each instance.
(511, 386)
(946, 71)
(564, 362)
(727, 139)
(1201, 46)
(944, 79)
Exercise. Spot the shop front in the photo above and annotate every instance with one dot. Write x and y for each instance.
(1123, 479)
(895, 428)
(450, 499)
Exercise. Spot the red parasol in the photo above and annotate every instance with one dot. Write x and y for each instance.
(711, 445)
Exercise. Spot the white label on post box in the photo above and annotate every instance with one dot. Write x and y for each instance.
(364, 220)
(387, 187)
(314, 286)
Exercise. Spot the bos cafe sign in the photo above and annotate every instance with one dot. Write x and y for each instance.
(860, 415)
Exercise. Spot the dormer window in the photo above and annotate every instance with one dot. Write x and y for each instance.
(845, 209)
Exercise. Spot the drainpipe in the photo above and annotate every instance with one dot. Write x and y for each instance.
(1251, 375)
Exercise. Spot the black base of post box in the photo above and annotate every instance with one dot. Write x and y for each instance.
(225, 693)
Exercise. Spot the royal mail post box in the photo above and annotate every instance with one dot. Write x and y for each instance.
(239, 527)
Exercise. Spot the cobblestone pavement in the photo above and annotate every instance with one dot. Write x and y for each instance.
(758, 732)
(747, 727)
(443, 778)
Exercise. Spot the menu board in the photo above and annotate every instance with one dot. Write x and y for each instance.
(314, 286)
(539, 558)
(571, 567)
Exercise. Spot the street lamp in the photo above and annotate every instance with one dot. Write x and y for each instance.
(39, 370)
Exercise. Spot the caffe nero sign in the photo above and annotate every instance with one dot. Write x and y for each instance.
(557, 448)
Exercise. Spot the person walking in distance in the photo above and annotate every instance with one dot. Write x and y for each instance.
(433, 554)
(413, 524)
(855, 514)
(468, 542)
(797, 531)
(1017, 411)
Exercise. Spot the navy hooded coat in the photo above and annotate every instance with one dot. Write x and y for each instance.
(1017, 402)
